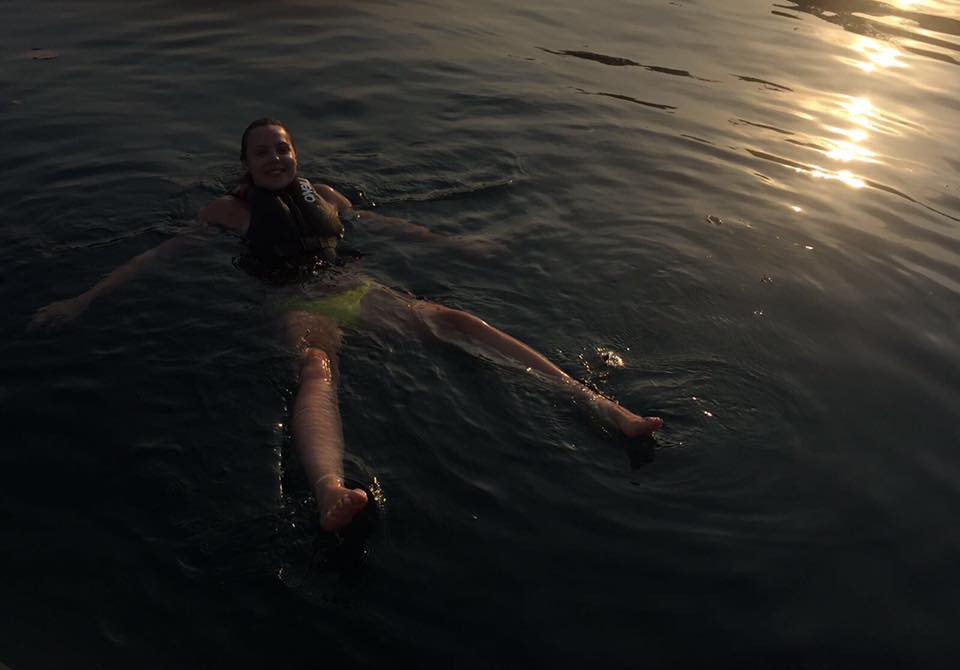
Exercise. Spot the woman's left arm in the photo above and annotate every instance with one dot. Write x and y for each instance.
(334, 197)
(346, 211)
(483, 248)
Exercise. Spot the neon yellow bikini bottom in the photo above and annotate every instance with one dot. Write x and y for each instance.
(343, 307)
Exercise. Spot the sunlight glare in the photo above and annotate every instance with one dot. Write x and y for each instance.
(876, 54)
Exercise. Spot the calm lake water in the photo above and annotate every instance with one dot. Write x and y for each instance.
(754, 205)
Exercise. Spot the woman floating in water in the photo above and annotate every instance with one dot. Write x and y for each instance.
(290, 225)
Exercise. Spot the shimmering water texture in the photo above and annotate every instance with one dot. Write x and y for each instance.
(743, 217)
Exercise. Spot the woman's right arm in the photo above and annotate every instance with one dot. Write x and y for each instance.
(229, 215)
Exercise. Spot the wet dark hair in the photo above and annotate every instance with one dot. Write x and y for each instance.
(260, 123)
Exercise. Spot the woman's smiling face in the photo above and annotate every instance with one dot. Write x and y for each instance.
(271, 159)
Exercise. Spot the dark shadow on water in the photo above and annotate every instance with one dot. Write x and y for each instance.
(640, 452)
(655, 105)
(617, 61)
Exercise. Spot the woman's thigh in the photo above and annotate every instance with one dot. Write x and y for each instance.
(386, 310)
(306, 329)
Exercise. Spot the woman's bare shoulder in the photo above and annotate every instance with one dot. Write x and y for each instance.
(227, 212)
(332, 196)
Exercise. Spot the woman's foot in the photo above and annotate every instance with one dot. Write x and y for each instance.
(633, 425)
(628, 423)
(338, 504)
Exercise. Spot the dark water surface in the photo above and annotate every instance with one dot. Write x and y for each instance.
(755, 205)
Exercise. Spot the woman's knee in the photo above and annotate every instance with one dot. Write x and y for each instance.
(316, 366)
(313, 330)
(449, 319)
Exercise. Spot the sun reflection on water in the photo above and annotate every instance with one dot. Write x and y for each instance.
(849, 124)
(858, 128)
(845, 152)
(874, 54)
(944, 8)
(845, 176)
(854, 118)
(858, 112)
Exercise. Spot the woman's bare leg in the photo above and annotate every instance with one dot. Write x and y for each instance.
(475, 335)
(317, 431)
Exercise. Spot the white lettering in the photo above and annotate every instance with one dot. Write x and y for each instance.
(307, 191)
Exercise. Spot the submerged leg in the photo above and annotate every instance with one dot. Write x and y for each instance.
(466, 330)
(317, 430)
(476, 336)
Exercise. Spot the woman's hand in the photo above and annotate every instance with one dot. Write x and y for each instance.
(59, 313)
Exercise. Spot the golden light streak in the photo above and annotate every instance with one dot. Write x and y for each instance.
(875, 54)
(845, 176)
(848, 151)
(853, 134)
(859, 110)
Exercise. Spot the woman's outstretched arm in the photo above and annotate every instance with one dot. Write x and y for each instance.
(405, 229)
(227, 212)
(346, 211)
(61, 312)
